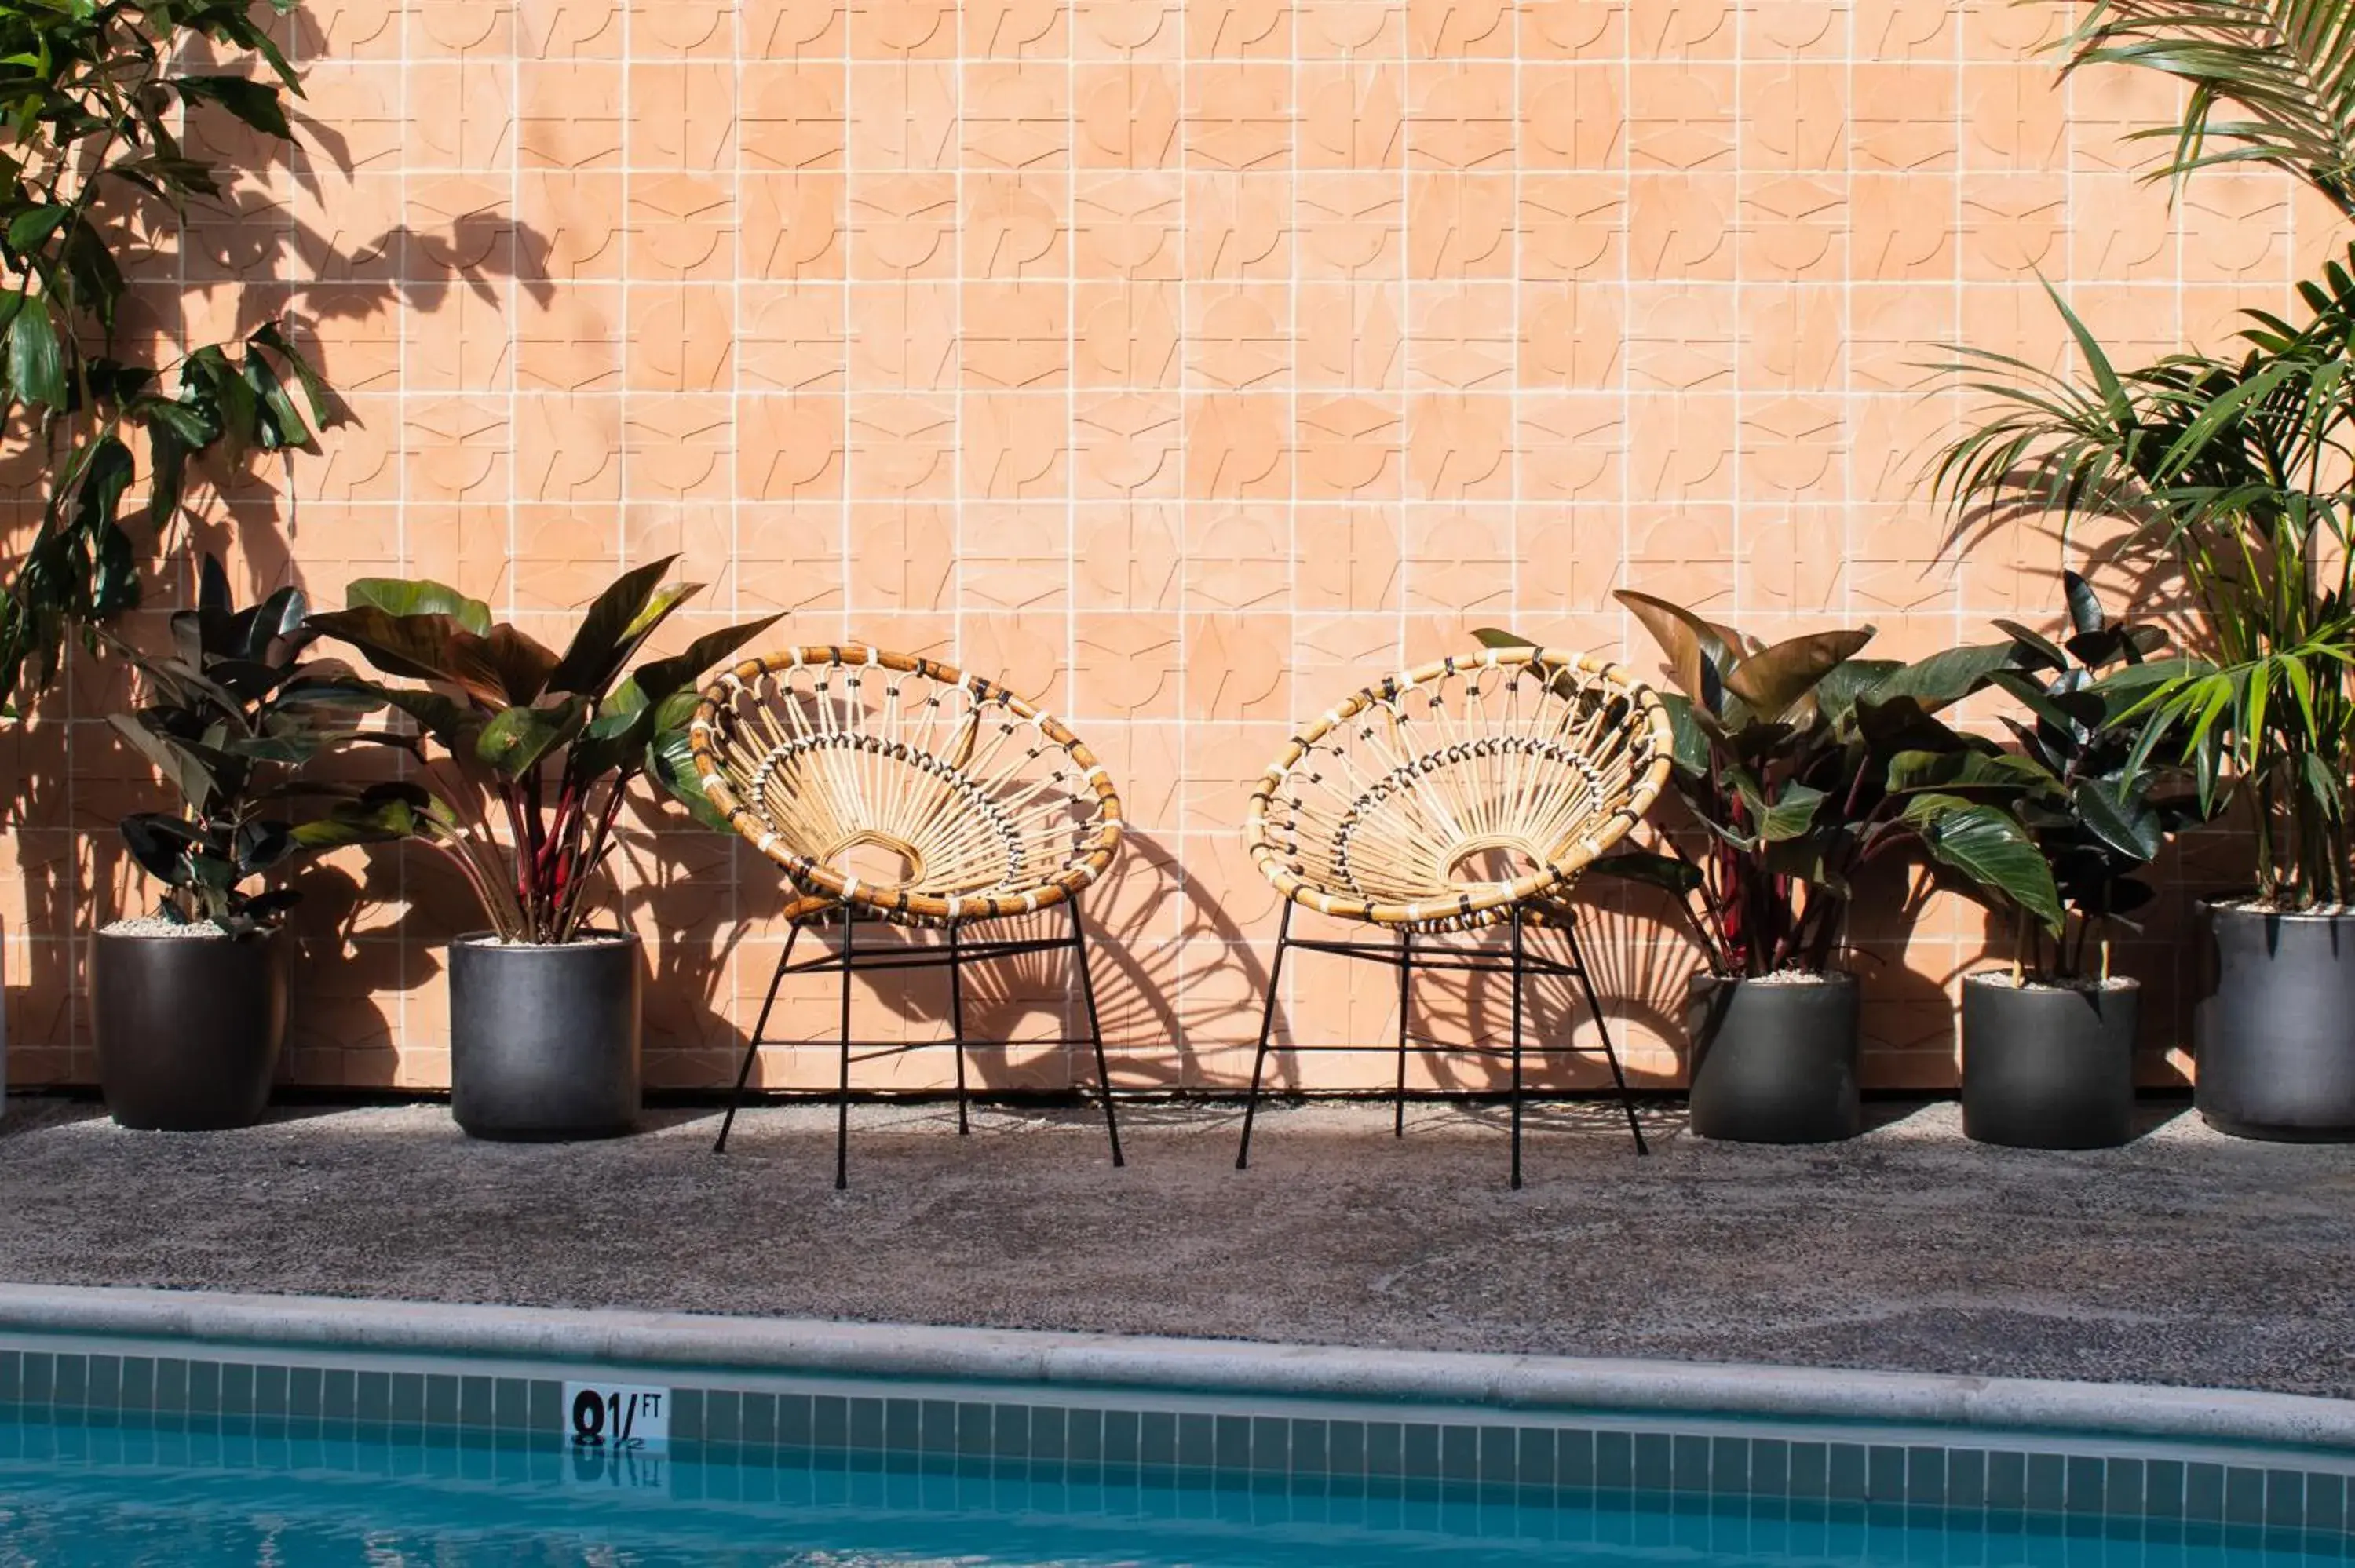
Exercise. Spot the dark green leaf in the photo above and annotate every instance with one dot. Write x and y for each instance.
(1987, 845)
(603, 643)
(520, 738)
(420, 596)
(36, 367)
(1670, 872)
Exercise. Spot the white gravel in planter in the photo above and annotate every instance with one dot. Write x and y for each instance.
(156, 926)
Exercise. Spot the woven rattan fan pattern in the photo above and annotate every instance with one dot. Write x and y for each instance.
(1391, 807)
(989, 807)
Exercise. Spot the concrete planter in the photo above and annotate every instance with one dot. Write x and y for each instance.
(1774, 1061)
(2049, 1066)
(2274, 1032)
(544, 1040)
(188, 1027)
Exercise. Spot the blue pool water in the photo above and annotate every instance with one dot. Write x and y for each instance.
(121, 1495)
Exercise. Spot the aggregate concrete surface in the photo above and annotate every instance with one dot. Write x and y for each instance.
(2186, 1258)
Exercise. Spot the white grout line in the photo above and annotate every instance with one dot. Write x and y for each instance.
(1199, 1366)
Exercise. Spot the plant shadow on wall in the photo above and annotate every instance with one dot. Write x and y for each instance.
(140, 446)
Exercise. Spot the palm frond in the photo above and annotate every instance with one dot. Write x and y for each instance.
(2272, 81)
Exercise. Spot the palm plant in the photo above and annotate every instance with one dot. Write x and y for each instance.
(2231, 468)
(2233, 471)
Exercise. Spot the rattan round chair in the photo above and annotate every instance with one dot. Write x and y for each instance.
(1466, 793)
(896, 788)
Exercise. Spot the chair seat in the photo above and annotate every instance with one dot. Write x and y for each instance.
(1447, 797)
(904, 787)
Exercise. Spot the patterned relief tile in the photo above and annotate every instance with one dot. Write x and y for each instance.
(1182, 360)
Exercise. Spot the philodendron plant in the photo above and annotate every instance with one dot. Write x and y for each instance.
(1804, 763)
(2096, 808)
(549, 742)
(230, 718)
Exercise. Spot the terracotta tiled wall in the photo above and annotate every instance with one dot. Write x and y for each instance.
(1185, 362)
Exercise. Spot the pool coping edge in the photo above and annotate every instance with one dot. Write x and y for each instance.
(1076, 1360)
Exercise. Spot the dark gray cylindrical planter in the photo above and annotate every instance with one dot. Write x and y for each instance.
(188, 1027)
(1774, 1061)
(2275, 1033)
(2049, 1066)
(544, 1040)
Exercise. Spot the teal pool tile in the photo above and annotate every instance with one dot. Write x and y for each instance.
(1345, 1447)
(1009, 1431)
(12, 1377)
(1083, 1437)
(1149, 1437)
(687, 1417)
(40, 1382)
(2048, 1483)
(1419, 1457)
(204, 1388)
(903, 1425)
(306, 1393)
(407, 1398)
(2203, 1493)
(511, 1404)
(758, 1417)
(2326, 1503)
(936, 1426)
(270, 1390)
(1500, 1456)
(1272, 1438)
(1810, 1470)
(477, 1401)
(1925, 1476)
(1534, 1466)
(864, 1419)
(1654, 1462)
(1385, 1448)
(237, 1380)
(2244, 1496)
(1729, 1467)
(2123, 1489)
(723, 1417)
(796, 1421)
(70, 1381)
(829, 1421)
(1049, 1427)
(1309, 1446)
(2286, 1500)
(105, 1386)
(1846, 1472)
(1197, 1442)
(975, 1428)
(1459, 1452)
(1688, 1463)
(138, 1382)
(2086, 1484)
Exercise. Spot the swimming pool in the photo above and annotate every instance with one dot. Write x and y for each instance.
(158, 1451)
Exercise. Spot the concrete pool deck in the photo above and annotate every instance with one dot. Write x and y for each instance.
(2185, 1258)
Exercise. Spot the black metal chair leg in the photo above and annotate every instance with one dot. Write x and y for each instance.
(1095, 1029)
(1518, 963)
(1610, 1054)
(842, 1096)
(1406, 973)
(759, 1032)
(956, 1029)
(1266, 1028)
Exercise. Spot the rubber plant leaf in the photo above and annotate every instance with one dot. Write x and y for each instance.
(1910, 771)
(2127, 825)
(160, 843)
(2084, 605)
(658, 678)
(1792, 813)
(2047, 653)
(1944, 678)
(1987, 845)
(601, 644)
(420, 596)
(520, 740)
(1696, 651)
(1775, 679)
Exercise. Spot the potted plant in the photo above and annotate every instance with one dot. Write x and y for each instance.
(189, 1003)
(2227, 472)
(544, 1006)
(2048, 1044)
(1801, 763)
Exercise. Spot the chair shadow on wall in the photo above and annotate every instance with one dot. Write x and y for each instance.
(1023, 1013)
